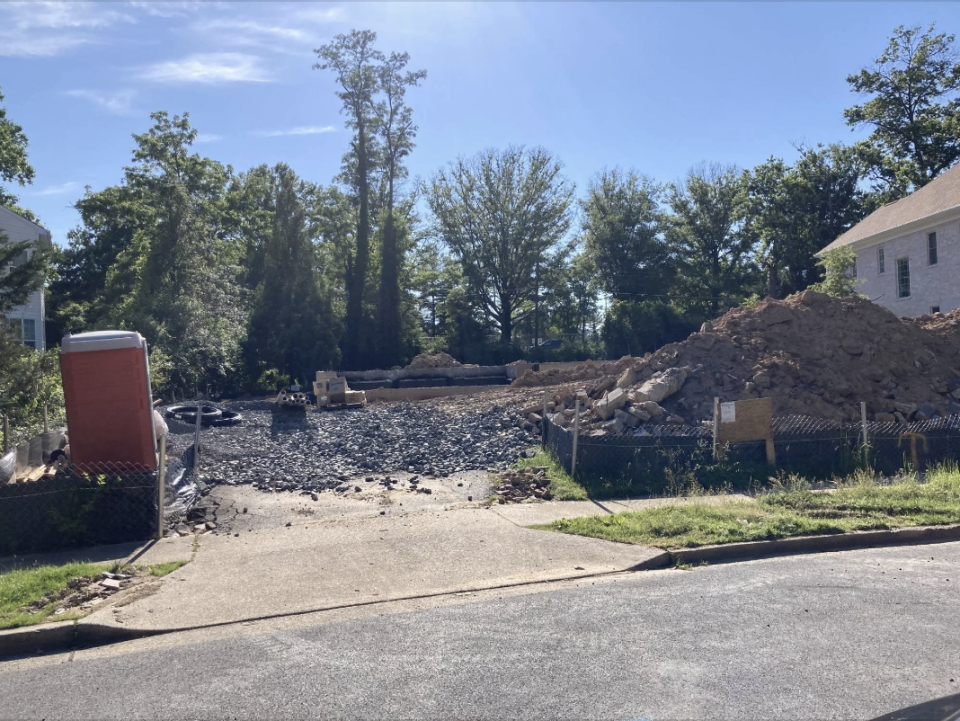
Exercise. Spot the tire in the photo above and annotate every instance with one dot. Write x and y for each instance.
(227, 418)
(188, 414)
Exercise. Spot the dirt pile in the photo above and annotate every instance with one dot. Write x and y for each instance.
(812, 354)
(588, 370)
(437, 360)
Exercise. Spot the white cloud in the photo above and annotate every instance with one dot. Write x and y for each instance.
(119, 102)
(16, 46)
(59, 189)
(209, 68)
(301, 130)
(243, 29)
(172, 9)
(207, 138)
(44, 29)
(326, 15)
(60, 15)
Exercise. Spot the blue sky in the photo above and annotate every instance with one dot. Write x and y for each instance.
(656, 87)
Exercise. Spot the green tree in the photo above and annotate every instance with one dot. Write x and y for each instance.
(795, 211)
(76, 298)
(622, 229)
(502, 214)
(23, 266)
(14, 166)
(354, 60)
(636, 327)
(292, 327)
(397, 131)
(183, 273)
(712, 251)
(913, 108)
(839, 279)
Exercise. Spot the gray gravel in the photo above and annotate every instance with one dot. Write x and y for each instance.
(290, 450)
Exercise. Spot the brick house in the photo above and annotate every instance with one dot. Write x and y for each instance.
(908, 252)
(27, 321)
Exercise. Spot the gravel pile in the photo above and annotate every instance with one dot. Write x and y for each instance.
(288, 449)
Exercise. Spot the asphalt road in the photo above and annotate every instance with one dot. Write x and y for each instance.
(846, 635)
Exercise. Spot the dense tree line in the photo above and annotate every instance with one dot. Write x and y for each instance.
(242, 281)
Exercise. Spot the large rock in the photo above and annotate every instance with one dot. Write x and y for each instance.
(662, 386)
(652, 408)
(926, 412)
(627, 378)
(627, 419)
(612, 402)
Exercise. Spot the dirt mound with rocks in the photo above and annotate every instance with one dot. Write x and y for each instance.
(814, 355)
(588, 370)
(437, 360)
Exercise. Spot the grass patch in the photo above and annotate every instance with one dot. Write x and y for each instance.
(25, 586)
(859, 502)
(562, 485)
(162, 569)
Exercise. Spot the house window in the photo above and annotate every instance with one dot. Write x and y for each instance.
(30, 332)
(932, 248)
(24, 330)
(853, 268)
(20, 259)
(903, 277)
(934, 309)
(881, 268)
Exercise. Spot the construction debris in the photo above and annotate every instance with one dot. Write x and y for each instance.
(527, 483)
(814, 355)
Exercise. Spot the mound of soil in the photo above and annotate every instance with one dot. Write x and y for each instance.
(814, 355)
(437, 360)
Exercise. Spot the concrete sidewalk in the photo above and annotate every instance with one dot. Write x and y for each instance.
(316, 565)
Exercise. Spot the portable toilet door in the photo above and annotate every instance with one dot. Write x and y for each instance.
(106, 385)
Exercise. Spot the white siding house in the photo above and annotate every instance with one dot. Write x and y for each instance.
(908, 252)
(27, 320)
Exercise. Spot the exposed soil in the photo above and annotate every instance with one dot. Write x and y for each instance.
(814, 355)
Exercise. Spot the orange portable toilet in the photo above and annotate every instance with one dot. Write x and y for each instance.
(106, 385)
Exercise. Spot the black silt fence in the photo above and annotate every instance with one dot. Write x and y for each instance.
(668, 458)
(73, 510)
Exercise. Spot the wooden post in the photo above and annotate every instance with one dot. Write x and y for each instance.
(46, 419)
(576, 437)
(863, 423)
(196, 438)
(161, 479)
(716, 424)
(543, 420)
(6, 433)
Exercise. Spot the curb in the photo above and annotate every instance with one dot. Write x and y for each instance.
(733, 552)
(65, 635)
(37, 639)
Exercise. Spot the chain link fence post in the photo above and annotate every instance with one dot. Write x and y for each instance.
(543, 421)
(863, 423)
(576, 437)
(161, 472)
(196, 437)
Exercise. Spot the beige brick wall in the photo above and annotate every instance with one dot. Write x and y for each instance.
(930, 285)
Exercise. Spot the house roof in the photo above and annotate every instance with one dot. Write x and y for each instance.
(936, 197)
(40, 229)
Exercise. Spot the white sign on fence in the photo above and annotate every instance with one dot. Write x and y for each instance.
(728, 412)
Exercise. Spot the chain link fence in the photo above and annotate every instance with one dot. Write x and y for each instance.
(669, 459)
(78, 506)
(47, 503)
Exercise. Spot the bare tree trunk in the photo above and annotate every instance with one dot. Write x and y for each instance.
(357, 283)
